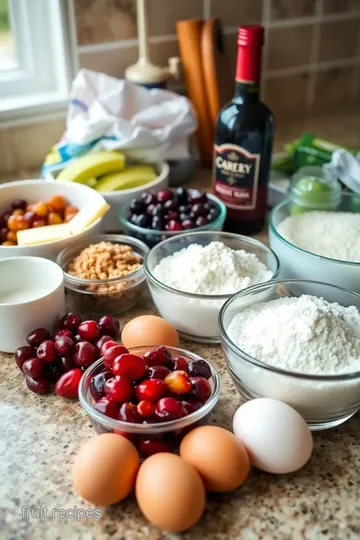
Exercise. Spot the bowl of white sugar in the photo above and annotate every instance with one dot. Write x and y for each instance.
(296, 341)
(319, 245)
(192, 275)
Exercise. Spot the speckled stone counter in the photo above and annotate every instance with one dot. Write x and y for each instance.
(39, 436)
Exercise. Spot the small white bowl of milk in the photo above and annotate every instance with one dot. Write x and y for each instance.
(31, 296)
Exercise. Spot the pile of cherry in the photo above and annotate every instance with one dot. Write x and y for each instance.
(61, 358)
(152, 388)
(173, 211)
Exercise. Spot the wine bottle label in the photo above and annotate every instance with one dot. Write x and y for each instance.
(236, 176)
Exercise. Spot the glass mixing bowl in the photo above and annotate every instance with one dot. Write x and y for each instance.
(195, 316)
(170, 432)
(324, 401)
(301, 264)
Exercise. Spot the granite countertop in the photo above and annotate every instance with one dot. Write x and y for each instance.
(39, 436)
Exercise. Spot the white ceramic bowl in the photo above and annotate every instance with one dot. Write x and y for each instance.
(300, 264)
(36, 190)
(117, 198)
(31, 296)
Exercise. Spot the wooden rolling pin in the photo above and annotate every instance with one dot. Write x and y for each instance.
(189, 34)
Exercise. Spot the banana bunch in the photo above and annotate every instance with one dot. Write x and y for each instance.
(107, 171)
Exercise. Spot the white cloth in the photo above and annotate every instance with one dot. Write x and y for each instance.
(109, 113)
(347, 168)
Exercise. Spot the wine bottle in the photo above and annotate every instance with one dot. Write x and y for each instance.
(243, 141)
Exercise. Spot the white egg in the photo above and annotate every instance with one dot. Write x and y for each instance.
(276, 437)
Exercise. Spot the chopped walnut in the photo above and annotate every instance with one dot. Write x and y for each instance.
(102, 261)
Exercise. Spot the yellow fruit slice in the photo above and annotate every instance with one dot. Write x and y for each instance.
(133, 176)
(83, 169)
(42, 235)
(87, 216)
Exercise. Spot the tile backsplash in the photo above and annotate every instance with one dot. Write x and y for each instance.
(311, 56)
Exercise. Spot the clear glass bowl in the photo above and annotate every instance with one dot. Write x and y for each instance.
(170, 432)
(301, 264)
(151, 237)
(103, 296)
(325, 401)
(195, 316)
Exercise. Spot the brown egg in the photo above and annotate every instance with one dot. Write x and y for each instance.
(169, 492)
(218, 456)
(149, 330)
(105, 469)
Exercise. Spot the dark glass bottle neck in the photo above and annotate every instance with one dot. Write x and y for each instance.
(247, 92)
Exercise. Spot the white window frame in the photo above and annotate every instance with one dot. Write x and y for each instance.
(44, 36)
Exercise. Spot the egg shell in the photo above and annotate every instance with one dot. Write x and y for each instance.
(169, 492)
(218, 456)
(276, 437)
(105, 469)
(148, 330)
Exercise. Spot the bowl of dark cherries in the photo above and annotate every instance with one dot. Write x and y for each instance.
(154, 217)
(151, 395)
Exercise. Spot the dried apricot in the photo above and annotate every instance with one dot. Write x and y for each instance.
(57, 203)
(17, 223)
(41, 209)
(54, 219)
(11, 237)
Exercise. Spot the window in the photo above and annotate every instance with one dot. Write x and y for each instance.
(36, 60)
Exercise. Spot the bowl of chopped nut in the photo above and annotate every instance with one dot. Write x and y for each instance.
(104, 275)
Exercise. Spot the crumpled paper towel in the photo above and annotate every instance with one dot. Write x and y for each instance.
(106, 113)
(347, 168)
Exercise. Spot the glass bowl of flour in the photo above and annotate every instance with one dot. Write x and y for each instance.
(192, 275)
(296, 341)
(319, 245)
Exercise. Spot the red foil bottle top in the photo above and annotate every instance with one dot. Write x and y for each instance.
(250, 42)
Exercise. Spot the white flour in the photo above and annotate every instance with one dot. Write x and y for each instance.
(331, 234)
(213, 269)
(306, 334)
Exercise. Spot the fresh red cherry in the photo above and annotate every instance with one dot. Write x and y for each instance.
(199, 368)
(201, 221)
(158, 356)
(85, 354)
(101, 341)
(188, 224)
(109, 325)
(164, 195)
(157, 372)
(41, 386)
(22, 354)
(70, 321)
(169, 408)
(107, 345)
(151, 390)
(146, 409)
(148, 447)
(47, 351)
(89, 330)
(37, 336)
(97, 384)
(201, 389)
(68, 384)
(178, 382)
(191, 405)
(180, 363)
(77, 339)
(118, 389)
(64, 345)
(129, 413)
(173, 226)
(112, 353)
(34, 367)
(107, 407)
(130, 365)
(62, 333)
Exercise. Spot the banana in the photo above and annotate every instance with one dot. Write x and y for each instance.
(83, 169)
(133, 176)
